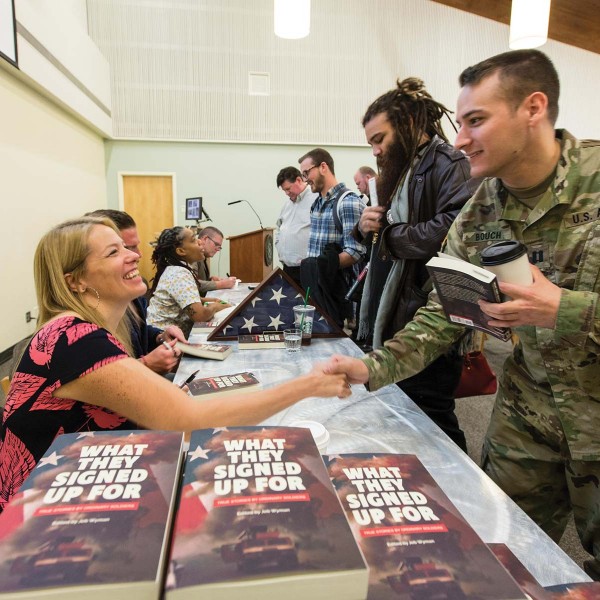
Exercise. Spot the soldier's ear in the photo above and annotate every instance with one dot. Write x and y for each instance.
(536, 107)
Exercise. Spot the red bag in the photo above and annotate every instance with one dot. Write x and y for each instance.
(477, 378)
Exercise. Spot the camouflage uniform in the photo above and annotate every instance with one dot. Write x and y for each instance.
(543, 443)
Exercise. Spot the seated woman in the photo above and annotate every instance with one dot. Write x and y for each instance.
(77, 374)
(176, 297)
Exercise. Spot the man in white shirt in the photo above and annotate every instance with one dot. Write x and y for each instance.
(361, 179)
(293, 225)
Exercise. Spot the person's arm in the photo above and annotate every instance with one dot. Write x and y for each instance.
(204, 311)
(225, 283)
(127, 388)
(450, 190)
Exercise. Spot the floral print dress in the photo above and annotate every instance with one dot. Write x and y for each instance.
(60, 352)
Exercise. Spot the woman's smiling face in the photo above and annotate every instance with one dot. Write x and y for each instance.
(110, 268)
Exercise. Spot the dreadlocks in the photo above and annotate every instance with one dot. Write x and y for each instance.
(412, 112)
(165, 255)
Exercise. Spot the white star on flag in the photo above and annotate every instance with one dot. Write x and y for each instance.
(276, 321)
(199, 452)
(278, 295)
(255, 300)
(50, 460)
(248, 324)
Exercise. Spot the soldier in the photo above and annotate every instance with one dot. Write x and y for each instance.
(542, 188)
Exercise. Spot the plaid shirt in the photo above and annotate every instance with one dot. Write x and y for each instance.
(322, 225)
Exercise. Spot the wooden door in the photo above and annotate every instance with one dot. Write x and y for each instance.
(149, 200)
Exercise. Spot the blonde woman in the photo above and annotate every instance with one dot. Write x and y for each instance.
(77, 373)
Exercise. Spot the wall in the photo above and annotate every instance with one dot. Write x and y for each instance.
(51, 168)
(221, 173)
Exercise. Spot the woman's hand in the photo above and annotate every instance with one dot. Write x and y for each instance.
(163, 358)
(326, 385)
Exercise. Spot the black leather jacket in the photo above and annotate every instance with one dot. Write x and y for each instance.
(439, 186)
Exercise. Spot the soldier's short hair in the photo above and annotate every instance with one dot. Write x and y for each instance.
(120, 218)
(522, 72)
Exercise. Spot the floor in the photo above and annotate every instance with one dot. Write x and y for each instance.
(474, 414)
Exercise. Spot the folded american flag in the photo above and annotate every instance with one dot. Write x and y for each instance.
(270, 308)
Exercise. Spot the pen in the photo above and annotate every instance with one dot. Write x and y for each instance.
(167, 345)
(190, 378)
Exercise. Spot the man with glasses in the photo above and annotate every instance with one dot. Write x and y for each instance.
(293, 225)
(211, 240)
(332, 251)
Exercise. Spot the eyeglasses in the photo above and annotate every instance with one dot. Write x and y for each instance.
(217, 246)
(305, 174)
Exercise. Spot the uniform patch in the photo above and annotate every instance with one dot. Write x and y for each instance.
(495, 235)
(581, 218)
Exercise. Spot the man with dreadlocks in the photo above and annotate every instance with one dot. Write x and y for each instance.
(176, 298)
(423, 183)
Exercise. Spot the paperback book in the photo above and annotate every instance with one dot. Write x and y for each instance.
(414, 541)
(260, 341)
(93, 519)
(460, 285)
(224, 384)
(258, 518)
(205, 350)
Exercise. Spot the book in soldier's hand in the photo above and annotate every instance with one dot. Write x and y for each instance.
(259, 519)
(224, 384)
(93, 519)
(261, 341)
(414, 541)
(460, 285)
(206, 350)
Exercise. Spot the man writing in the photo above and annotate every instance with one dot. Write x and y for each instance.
(211, 240)
(543, 188)
(332, 251)
(293, 225)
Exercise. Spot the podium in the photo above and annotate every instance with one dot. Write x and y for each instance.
(251, 255)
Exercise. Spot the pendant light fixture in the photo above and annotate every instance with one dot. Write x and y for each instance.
(292, 18)
(529, 23)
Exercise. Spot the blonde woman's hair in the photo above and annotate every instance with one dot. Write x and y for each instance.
(61, 251)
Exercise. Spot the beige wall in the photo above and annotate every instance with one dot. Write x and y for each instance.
(51, 168)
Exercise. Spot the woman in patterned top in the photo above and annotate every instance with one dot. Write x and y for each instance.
(77, 374)
(176, 298)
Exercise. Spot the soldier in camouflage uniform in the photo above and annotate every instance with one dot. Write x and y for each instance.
(542, 446)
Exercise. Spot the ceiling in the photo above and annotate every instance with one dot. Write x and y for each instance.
(574, 22)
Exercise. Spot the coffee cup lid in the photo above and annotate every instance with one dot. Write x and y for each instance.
(319, 432)
(502, 252)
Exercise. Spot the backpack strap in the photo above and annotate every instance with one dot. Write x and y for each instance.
(336, 211)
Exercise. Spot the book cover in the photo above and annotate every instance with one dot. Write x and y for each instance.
(258, 518)
(224, 384)
(204, 350)
(460, 285)
(93, 519)
(527, 582)
(260, 341)
(414, 540)
(582, 590)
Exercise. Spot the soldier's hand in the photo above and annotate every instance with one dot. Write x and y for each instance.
(371, 219)
(536, 304)
(354, 369)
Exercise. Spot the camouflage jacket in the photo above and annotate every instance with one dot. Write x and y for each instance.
(562, 234)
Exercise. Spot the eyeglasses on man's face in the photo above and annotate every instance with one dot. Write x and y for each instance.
(217, 245)
(305, 174)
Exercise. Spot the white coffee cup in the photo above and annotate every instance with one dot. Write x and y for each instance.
(508, 261)
(319, 433)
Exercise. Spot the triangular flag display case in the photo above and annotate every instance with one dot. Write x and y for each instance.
(270, 307)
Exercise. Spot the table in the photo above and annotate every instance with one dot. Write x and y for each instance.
(388, 421)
